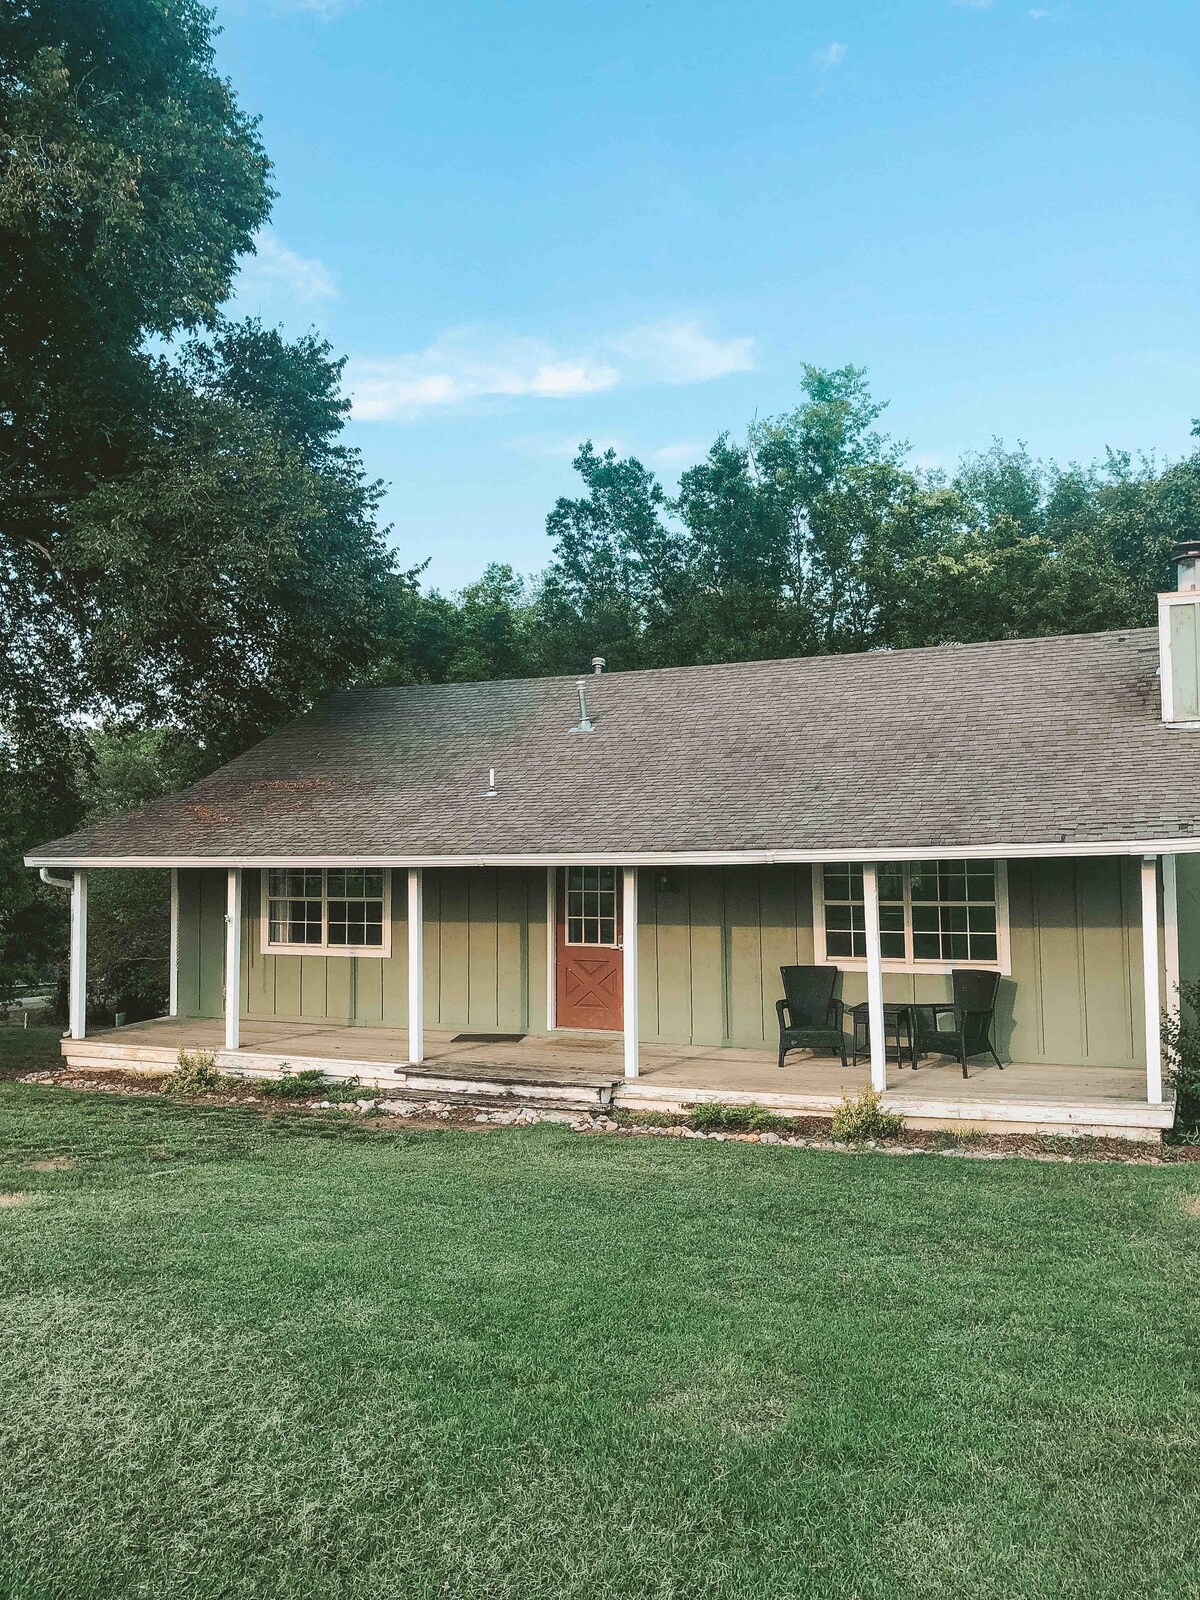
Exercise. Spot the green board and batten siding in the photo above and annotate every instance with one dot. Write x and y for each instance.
(485, 957)
(711, 942)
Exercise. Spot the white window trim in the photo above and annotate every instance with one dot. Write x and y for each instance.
(1002, 963)
(378, 951)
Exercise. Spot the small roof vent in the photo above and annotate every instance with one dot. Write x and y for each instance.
(598, 664)
(585, 723)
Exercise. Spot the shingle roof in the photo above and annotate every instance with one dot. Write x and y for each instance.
(1019, 743)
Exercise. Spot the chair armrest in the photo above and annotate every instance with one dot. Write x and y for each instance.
(837, 1010)
(781, 1007)
(962, 1018)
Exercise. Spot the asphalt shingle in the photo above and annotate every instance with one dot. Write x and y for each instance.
(1022, 742)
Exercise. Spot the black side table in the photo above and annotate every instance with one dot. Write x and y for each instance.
(897, 1031)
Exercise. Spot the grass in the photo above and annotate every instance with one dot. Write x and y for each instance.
(275, 1355)
(31, 1049)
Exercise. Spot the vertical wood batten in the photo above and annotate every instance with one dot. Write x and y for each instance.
(233, 957)
(77, 998)
(629, 962)
(416, 990)
(1171, 971)
(551, 949)
(874, 977)
(1150, 980)
(173, 975)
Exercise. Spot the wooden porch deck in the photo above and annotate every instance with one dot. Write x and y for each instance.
(584, 1071)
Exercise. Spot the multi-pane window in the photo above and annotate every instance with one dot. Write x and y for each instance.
(929, 911)
(953, 910)
(327, 909)
(591, 907)
(845, 911)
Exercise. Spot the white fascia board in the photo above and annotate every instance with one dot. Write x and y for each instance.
(1186, 844)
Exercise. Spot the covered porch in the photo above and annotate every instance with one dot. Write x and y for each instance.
(585, 1071)
(464, 1000)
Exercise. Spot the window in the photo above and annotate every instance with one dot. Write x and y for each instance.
(327, 911)
(592, 905)
(931, 914)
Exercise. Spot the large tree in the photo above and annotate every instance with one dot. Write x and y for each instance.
(185, 539)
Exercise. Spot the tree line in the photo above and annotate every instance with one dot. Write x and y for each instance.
(190, 553)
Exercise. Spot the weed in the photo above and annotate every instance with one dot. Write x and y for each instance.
(645, 1119)
(716, 1117)
(864, 1118)
(1065, 1144)
(960, 1138)
(196, 1074)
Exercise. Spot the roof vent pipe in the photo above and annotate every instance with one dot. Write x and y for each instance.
(490, 792)
(598, 664)
(585, 723)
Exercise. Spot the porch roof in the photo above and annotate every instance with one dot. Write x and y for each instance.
(1017, 747)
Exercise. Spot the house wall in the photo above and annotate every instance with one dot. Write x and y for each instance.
(711, 942)
(1188, 895)
(485, 956)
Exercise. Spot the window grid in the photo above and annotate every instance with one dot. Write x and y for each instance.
(591, 908)
(326, 909)
(929, 911)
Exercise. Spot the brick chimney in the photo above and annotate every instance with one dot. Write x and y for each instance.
(1179, 639)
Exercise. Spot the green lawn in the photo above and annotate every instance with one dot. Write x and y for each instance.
(249, 1357)
(30, 1049)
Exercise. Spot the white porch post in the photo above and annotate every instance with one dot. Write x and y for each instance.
(874, 978)
(77, 991)
(173, 975)
(1153, 998)
(551, 949)
(629, 968)
(233, 958)
(416, 966)
(1171, 932)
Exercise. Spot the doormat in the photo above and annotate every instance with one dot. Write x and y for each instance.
(487, 1038)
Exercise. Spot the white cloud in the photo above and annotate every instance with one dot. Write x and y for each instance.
(679, 351)
(275, 272)
(475, 364)
(831, 56)
(466, 365)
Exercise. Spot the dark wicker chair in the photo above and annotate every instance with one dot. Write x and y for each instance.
(810, 1018)
(972, 1008)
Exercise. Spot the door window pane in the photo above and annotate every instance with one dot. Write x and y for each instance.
(591, 909)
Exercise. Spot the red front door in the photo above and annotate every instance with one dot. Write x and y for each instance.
(589, 948)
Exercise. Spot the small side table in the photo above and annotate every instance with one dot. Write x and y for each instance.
(897, 1031)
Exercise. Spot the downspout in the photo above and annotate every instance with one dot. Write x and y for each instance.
(47, 876)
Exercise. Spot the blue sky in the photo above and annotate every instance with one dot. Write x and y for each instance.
(528, 223)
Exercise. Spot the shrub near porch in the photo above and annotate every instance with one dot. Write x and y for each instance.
(291, 1356)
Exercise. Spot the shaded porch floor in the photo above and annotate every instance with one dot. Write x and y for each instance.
(586, 1069)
